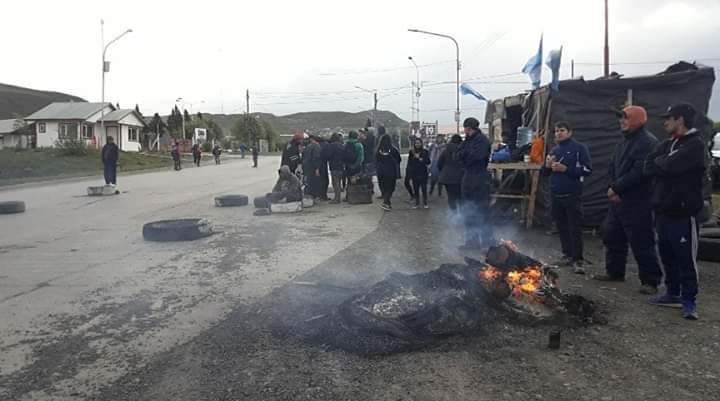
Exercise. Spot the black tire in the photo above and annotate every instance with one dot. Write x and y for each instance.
(231, 200)
(710, 232)
(11, 207)
(177, 230)
(709, 249)
(261, 202)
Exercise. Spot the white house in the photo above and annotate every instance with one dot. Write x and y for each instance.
(91, 122)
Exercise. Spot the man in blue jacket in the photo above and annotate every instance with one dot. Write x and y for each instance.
(630, 218)
(568, 163)
(678, 165)
(474, 155)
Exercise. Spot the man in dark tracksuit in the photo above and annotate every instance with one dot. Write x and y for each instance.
(110, 155)
(630, 217)
(568, 163)
(474, 155)
(678, 165)
(312, 162)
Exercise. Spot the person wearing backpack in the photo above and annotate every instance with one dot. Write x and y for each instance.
(354, 155)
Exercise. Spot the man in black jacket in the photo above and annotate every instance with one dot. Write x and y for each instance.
(678, 165)
(630, 218)
(335, 157)
(311, 162)
(110, 155)
(474, 156)
(568, 164)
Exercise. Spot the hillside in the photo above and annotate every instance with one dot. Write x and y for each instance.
(314, 121)
(15, 100)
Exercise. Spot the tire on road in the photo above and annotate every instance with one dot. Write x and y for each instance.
(261, 202)
(11, 207)
(177, 230)
(231, 200)
(709, 249)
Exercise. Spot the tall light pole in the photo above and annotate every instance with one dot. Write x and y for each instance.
(606, 61)
(106, 68)
(375, 101)
(417, 83)
(182, 113)
(457, 59)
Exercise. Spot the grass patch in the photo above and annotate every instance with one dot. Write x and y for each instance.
(18, 166)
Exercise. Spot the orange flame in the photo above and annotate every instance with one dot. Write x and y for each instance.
(523, 284)
(490, 273)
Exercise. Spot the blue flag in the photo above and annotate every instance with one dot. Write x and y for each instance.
(533, 67)
(553, 62)
(466, 89)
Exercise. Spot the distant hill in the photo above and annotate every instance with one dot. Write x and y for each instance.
(314, 121)
(15, 100)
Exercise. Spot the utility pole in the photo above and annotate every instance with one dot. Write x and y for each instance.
(607, 45)
(106, 68)
(247, 113)
(374, 116)
(572, 68)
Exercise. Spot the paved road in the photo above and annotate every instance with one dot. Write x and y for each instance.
(83, 299)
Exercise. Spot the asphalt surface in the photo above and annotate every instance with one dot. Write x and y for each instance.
(102, 315)
(84, 299)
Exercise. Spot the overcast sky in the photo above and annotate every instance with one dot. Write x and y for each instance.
(309, 55)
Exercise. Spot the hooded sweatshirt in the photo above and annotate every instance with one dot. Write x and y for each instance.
(288, 185)
(626, 164)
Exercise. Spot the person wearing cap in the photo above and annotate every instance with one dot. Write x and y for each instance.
(474, 155)
(568, 163)
(678, 166)
(630, 218)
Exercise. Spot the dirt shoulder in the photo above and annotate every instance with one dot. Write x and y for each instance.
(259, 351)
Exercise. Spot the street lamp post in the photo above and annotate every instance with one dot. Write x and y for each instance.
(375, 101)
(417, 83)
(182, 114)
(457, 59)
(106, 68)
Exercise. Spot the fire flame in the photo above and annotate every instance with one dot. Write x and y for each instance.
(522, 283)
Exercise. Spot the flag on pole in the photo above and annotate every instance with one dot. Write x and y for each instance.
(466, 89)
(533, 67)
(553, 62)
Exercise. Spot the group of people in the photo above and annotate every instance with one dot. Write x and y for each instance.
(656, 188)
(459, 166)
(196, 152)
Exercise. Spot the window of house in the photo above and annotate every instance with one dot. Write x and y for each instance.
(68, 130)
(87, 131)
(133, 134)
(41, 128)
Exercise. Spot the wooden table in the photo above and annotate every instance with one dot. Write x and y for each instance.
(532, 171)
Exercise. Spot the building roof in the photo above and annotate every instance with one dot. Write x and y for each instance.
(68, 111)
(7, 126)
(117, 115)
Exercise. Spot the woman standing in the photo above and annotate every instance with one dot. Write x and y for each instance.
(387, 163)
(417, 170)
(451, 172)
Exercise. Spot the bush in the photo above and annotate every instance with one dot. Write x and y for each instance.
(71, 147)
(206, 146)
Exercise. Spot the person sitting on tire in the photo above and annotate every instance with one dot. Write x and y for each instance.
(287, 189)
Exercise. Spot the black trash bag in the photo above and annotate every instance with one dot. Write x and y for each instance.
(408, 312)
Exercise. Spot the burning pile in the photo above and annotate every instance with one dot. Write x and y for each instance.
(406, 312)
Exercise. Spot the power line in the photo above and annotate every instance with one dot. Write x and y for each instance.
(390, 69)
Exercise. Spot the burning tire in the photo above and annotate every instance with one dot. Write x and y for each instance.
(11, 207)
(231, 200)
(177, 230)
(261, 202)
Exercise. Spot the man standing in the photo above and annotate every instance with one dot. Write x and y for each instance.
(255, 156)
(568, 163)
(197, 154)
(312, 161)
(436, 150)
(678, 165)
(474, 155)
(335, 161)
(630, 218)
(110, 155)
(354, 155)
(291, 155)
